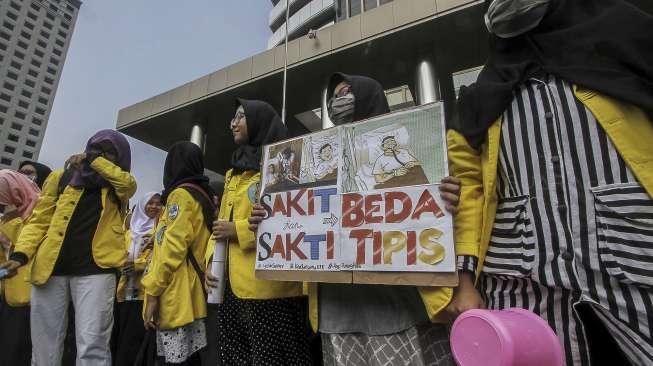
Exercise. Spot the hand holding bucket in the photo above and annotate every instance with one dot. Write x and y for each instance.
(512, 337)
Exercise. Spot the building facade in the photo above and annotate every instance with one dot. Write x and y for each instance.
(305, 15)
(421, 51)
(34, 40)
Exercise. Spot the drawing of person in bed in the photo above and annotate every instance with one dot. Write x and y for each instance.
(397, 166)
(327, 167)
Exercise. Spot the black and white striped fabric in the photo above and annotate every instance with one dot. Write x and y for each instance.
(573, 225)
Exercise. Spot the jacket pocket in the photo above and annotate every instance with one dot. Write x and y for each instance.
(511, 251)
(624, 225)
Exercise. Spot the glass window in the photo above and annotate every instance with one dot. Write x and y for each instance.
(50, 16)
(29, 25)
(370, 4)
(16, 126)
(14, 5)
(54, 61)
(65, 26)
(52, 71)
(12, 137)
(16, 65)
(40, 111)
(46, 90)
(9, 86)
(28, 154)
(23, 104)
(26, 35)
(37, 121)
(20, 115)
(49, 80)
(45, 34)
(22, 45)
(56, 51)
(33, 73)
(43, 100)
(33, 132)
(42, 43)
(3, 108)
(36, 63)
(6, 161)
(354, 7)
(26, 93)
(32, 15)
(19, 54)
(8, 25)
(5, 35)
(47, 25)
(12, 75)
(10, 149)
(30, 143)
(59, 43)
(12, 16)
(36, 6)
(62, 34)
(5, 97)
(39, 53)
(30, 83)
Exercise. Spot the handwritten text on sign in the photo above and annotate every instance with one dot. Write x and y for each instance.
(385, 230)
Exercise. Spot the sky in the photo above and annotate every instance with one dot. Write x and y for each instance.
(123, 52)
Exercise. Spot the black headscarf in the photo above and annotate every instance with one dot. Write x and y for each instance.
(184, 164)
(370, 97)
(601, 45)
(42, 171)
(264, 126)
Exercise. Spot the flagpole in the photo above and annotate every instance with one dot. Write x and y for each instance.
(285, 66)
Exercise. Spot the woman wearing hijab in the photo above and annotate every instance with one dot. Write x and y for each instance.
(175, 302)
(76, 241)
(37, 172)
(357, 322)
(261, 321)
(129, 331)
(556, 179)
(18, 196)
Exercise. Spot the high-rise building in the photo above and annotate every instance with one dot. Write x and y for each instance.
(34, 40)
(305, 15)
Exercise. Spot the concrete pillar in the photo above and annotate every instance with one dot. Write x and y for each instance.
(197, 136)
(326, 121)
(427, 86)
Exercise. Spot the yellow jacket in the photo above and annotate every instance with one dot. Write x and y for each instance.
(41, 238)
(240, 192)
(139, 267)
(15, 290)
(626, 126)
(170, 276)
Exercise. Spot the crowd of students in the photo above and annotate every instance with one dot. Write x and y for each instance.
(551, 193)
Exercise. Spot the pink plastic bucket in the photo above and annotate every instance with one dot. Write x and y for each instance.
(513, 337)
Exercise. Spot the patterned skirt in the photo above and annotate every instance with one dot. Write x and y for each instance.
(179, 344)
(423, 345)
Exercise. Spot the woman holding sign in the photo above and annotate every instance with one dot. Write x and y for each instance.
(175, 301)
(360, 322)
(261, 322)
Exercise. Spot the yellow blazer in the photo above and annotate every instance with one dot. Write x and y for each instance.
(170, 276)
(628, 127)
(15, 290)
(41, 238)
(240, 192)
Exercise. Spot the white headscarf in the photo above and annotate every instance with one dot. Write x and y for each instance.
(140, 225)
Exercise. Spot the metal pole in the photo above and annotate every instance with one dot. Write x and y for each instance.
(427, 85)
(197, 136)
(285, 66)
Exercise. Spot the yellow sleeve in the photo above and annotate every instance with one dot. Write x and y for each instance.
(172, 248)
(123, 182)
(465, 164)
(141, 262)
(38, 223)
(246, 237)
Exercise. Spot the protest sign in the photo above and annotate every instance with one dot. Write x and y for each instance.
(359, 201)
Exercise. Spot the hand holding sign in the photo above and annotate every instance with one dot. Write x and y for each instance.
(257, 216)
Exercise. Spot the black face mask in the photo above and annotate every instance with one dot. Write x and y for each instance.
(341, 109)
